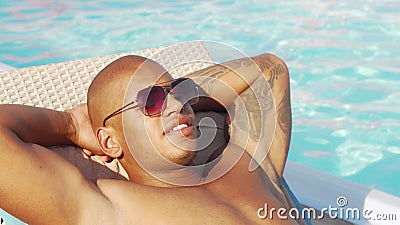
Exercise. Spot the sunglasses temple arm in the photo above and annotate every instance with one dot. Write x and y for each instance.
(118, 111)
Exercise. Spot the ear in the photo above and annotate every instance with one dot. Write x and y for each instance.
(108, 142)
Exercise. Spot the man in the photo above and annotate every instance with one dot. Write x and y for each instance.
(155, 141)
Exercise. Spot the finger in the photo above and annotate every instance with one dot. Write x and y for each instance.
(105, 158)
(87, 152)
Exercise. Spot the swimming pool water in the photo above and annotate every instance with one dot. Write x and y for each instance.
(343, 57)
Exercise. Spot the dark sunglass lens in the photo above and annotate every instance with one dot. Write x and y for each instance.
(185, 90)
(151, 100)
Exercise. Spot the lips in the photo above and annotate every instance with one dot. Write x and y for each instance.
(182, 125)
(179, 127)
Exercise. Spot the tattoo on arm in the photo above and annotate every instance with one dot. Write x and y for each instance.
(283, 110)
(218, 71)
(274, 69)
(274, 72)
(271, 69)
(214, 72)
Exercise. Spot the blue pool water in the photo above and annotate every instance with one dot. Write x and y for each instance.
(343, 57)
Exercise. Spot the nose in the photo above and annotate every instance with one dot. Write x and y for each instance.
(173, 105)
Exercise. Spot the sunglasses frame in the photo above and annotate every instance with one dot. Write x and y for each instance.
(167, 90)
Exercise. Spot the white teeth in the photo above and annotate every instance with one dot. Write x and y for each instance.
(180, 126)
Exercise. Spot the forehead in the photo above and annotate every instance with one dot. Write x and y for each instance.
(147, 74)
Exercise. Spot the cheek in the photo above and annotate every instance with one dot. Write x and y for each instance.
(142, 131)
(153, 130)
(134, 130)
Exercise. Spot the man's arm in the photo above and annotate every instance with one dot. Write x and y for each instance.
(238, 75)
(276, 73)
(37, 185)
(224, 82)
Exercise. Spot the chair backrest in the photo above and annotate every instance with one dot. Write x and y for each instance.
(63, 85)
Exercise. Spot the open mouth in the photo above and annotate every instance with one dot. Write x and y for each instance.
(180, 127)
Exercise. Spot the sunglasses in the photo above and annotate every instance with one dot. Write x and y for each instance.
(151, 100)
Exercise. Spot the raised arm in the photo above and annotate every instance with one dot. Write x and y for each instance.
(224, 82)
(238, 75)
(38, 186)
(276, 73)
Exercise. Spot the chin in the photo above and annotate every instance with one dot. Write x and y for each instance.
(183, 159)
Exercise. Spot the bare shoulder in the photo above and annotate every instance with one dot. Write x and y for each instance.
(140, 204)
(219, 202)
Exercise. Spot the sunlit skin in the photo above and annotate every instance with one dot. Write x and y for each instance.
(43, 188)
(169, 143)
(151, 135)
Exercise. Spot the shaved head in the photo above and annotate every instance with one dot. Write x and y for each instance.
(107, 90)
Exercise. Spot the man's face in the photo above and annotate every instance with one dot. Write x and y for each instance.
(156, 141)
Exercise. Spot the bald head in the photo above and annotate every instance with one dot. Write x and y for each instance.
(107, 90)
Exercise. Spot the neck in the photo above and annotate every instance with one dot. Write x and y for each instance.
(181, 176)
(185, 176)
